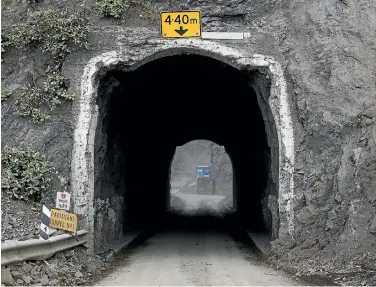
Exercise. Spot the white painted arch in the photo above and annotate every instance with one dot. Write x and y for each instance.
(82, 168)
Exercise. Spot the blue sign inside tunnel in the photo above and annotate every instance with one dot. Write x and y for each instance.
(203, 172)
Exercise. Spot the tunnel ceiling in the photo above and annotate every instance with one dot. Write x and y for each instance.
(205, 97)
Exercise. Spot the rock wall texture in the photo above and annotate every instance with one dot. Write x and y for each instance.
(328, 52)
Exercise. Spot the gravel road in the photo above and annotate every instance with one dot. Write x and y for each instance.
(193, 258)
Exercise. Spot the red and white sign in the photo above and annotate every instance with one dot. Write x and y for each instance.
(63, 200)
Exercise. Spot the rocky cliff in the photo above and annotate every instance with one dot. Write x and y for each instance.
(327, 49)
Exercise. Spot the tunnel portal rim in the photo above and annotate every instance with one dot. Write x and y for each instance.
(82, 165)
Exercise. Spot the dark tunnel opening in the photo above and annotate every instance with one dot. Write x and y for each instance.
(144, 114)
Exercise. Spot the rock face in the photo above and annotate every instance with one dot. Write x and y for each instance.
(328, 52)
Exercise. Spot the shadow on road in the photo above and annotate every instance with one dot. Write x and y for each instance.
(201, 222)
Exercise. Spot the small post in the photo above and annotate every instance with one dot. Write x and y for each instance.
(45, 224)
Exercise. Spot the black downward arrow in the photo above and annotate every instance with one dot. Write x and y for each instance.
(181, 32)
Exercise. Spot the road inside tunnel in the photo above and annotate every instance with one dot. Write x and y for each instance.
(178, 258)
(144, 114)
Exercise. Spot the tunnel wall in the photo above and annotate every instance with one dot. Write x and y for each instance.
(278, 103)
(109, 171)
(261, 84)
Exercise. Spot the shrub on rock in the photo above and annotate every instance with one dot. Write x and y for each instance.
(25, 174)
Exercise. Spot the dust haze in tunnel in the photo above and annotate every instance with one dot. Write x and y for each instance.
(144, 114)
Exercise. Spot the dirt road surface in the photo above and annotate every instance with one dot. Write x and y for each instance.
(193, 258)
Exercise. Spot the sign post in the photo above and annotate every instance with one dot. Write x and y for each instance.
(44, 232)
(181, 24)
(204, 180)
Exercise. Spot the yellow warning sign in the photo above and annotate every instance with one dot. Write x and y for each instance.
(183, 24)
(61, 219)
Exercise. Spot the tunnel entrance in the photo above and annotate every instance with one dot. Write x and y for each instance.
(145, 113)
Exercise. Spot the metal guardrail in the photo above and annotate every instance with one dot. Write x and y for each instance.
(35, 249)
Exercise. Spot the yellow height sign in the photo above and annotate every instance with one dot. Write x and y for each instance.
(63, 220)
(183, 24)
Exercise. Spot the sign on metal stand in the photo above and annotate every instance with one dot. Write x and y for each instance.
(181, 24)
(204, 180)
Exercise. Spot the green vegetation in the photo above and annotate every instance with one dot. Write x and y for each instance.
(39, 102)
(4, 43)
(21, 36)
(112, 8)
(5, 94)
(56, 33)
(52, 32)
(24, 174)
